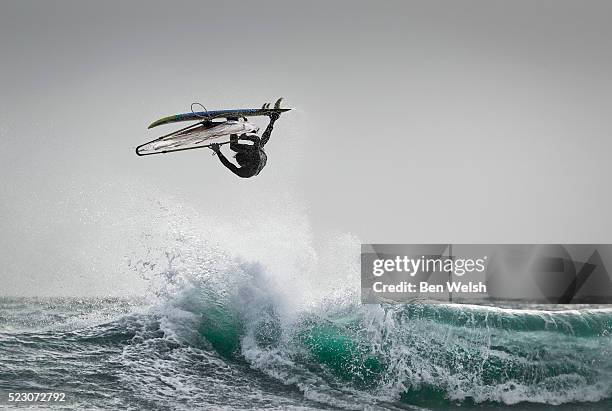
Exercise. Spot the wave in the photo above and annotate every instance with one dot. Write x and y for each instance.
(292, 312)
(343, 353)
(232, 329)
(258, 302)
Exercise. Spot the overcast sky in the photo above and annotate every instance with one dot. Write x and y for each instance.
(414, 121)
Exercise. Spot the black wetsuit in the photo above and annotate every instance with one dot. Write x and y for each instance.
(250, 157)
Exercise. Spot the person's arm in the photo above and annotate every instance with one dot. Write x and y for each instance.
(231, 166)
(266, 134)
(228, 164)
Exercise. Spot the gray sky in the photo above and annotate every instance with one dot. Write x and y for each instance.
(414, 121)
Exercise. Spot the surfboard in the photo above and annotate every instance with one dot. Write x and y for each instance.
(209, 115)
(195, 136)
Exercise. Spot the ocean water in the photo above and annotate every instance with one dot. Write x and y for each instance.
(204, 350)
(251, 315)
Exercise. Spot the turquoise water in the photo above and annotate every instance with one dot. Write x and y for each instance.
(201, 349)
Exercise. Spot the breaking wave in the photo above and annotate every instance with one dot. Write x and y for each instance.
(260, 313)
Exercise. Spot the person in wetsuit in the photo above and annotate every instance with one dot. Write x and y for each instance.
(250, 157)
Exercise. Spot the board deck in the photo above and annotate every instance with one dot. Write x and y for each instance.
(209, 115)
